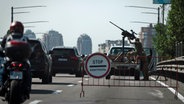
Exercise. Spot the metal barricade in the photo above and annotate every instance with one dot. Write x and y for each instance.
(160, 76)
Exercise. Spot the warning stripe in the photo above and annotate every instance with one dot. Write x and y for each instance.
(98, 66)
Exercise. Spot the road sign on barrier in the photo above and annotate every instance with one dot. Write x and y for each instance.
(97, 65)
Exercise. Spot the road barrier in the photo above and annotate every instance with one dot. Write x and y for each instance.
(163, 72)
(176, 63)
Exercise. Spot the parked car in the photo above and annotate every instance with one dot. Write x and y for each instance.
(66, 60)
(40, 61)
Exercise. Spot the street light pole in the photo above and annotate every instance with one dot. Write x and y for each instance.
(158, 15)
(158, 9)
(34, 22)
(12, 10)
(11, 14)
(163, 9)
(142, 22)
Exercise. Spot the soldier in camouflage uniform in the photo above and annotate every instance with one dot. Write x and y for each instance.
(140, 54)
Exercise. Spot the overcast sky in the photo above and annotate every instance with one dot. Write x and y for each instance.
(72, 18)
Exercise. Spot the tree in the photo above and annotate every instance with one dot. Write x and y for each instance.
(176, 20)
(167, 35)
(161, 41)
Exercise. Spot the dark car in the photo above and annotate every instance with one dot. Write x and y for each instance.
(66, 60)
(40, 61)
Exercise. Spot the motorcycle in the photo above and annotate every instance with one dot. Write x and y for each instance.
(17, 73)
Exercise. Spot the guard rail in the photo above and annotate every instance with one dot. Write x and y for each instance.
(175, 68)
(176, 64)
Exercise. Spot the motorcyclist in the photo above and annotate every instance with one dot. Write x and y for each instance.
(16, 32)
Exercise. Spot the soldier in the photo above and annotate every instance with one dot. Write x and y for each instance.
(140, 54)
(130, 56)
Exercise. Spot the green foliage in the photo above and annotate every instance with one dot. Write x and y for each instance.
(162, 42)
(176, 20)
(167, 35)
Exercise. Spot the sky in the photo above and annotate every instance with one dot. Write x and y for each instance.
(72, 18)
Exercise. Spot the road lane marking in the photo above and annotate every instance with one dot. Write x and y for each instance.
(79, 81)
(84, 79)
(35, 102)
(70, 85)
(171, 89)
(57, 92)
(157, 93)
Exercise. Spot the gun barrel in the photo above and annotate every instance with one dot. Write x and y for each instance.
(117, 26)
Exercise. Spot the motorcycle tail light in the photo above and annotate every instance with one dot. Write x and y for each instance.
(20, 65)
(13, 64)
(16, 64)
(14, 42)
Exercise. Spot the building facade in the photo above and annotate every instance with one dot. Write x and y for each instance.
(146, 36)
(84, 44)
(30, 34)
(52, 39)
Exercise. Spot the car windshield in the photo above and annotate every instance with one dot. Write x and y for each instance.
(117, 50)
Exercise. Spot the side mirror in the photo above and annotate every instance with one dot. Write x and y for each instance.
(105, 54)
(50, 52)
(82, 56)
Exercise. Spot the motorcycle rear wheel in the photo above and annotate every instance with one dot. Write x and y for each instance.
(15, 92)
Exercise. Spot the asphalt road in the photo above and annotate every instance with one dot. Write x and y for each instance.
(66, 89)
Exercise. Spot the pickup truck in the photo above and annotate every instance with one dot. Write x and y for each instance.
(121, 65)
(125, 65)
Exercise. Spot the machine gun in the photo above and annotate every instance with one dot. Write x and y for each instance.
(126, 33)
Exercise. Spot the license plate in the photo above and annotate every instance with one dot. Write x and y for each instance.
(62, 59)
(15, 75)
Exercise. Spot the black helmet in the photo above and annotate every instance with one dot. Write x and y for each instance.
(137, 39)
(17, 27)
